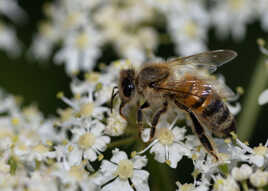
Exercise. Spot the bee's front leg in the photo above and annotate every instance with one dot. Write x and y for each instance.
(140, 116)
(156, 118)
(121, 107)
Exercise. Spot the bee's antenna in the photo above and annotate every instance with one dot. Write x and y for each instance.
(113, 96)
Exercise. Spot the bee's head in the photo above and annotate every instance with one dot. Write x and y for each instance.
(126, 84)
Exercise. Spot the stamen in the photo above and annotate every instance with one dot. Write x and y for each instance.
(68, 102)
(173, 123)
(148, 147)
(248, 149)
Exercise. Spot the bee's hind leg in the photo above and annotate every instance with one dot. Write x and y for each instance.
(205, 141)
(200, 132)
(156, 118)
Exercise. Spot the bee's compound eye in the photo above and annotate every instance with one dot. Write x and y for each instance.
(128, 87)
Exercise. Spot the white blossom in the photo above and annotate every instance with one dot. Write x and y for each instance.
(121, 172)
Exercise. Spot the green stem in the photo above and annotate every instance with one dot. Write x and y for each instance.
(121, 142)
(251, 108)
(245, 185)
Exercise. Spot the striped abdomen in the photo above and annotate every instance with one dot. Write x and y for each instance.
(208, 107)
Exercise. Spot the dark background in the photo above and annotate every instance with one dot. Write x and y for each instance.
(38, 82)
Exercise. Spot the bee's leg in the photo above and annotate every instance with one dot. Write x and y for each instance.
(121, 107)
(140, 116)
(205, 141)
(156, 118)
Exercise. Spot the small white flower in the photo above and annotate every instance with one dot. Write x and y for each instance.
(232, 16)
(80, 50)
(259, 178)
(8, 40)
(122, 173)
(68, 155)
(228, 184)
(90, 140)
(116, 124)
(242, 173)
(86, 106)
(74, 177)
(168, 146)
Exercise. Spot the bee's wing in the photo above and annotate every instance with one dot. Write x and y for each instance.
(209, 60)
(182, 87)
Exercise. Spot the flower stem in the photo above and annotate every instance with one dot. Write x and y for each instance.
(244, 185)
(121, 142)
(251, 108)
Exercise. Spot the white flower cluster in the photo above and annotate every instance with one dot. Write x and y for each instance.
(70, 152)
(132, 27)
(8, 38)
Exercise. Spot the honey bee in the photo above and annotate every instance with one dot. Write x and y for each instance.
(159, 85)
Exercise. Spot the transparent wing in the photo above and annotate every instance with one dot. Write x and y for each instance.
(209, 60)
(187, 87)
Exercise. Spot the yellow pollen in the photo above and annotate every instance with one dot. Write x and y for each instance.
(22, 147)
(218, 183)
(49, 143)
(227, 140)
(133, 154)
(165, 136)
(40, 148)
(65, 114)
(71, 19)
(15, 121)
(87, 140)
(6, 133)
(65, 142)
(194, 157)
(82, 40)
(260, 150)
(92, 76)
(240, 90)
(60, 95)
(190, 29)
(70, 148)
(236, 4)
(87, 109)
(30, 111)
(77, 96)
(168, 162)
(125, 169)
(77, 172)
(187, 187)
(100, 157)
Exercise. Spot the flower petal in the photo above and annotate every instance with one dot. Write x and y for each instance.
(139, 162)
(140, 180)
(101, 143)
(178, 133)
(118, 185)
(118, 156)
(159, 151)
(90, 154)
(263, 98)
